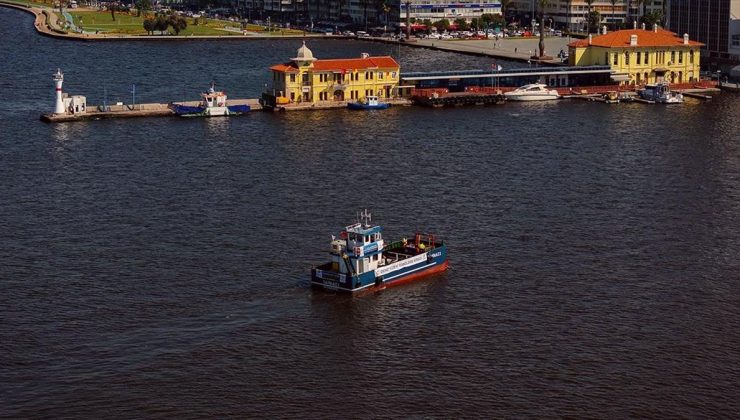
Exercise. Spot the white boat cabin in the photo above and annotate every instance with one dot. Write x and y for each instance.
(359, 249)
(372, 100)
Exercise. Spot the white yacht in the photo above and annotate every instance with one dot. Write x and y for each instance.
(661, 93)
(532, 92)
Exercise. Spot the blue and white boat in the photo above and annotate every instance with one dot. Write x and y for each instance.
(370, 102)
(362, 260)
(213, 104)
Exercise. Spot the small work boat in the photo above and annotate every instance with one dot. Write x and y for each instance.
(213, 104)
(611, 97)
(532, 92)
(362, 260)
(370, 102)
(660, 93)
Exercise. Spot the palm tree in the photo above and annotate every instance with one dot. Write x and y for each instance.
(614, 3)
(505, 6)
(408, 19)
(340, 6)
(541, 5)
(588, 20)
(365, 4)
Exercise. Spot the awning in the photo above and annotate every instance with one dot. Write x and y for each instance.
(620, 77)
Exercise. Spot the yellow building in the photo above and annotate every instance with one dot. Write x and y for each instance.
(639, 56)
(306, 79)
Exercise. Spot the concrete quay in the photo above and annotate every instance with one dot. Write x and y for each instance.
(512, 49)
(136, 111)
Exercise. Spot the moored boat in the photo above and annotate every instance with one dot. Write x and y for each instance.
(532, 92)
(362, 260)
(370, 102)
(660, 93)
(213, 104)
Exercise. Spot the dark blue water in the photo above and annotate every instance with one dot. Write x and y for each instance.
(159, 267)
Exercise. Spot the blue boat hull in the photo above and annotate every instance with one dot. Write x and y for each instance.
(412, 268)
(366, 107)
(196, 111)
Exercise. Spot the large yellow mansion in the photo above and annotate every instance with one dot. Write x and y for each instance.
(640, 56)
(305, 79)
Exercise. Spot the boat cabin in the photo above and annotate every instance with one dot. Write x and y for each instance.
(214, 98)
(359, 248)
(371, 100)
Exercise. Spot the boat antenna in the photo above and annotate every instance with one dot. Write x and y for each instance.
(366, 218)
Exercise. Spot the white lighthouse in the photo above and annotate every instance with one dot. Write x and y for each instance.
(59, 105)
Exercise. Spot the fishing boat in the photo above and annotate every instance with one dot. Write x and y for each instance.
(370, 102)
(213, 104)
(362, 260)
(660, 93)
(532, 92)
(611, 97)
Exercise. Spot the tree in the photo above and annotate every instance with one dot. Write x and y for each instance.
(505, 7)
(589, 3)
(462, 24)
(150, 25)
(486, 19)
(614, 3)
(541, 5)
(178, 23)
(442, 25)
(143, 6)
(652, 18)
(340, 6)
(113, 7)
(384, 8)
(161, 24)
(428, 24)
(364, 3)
(475, 23)
(593, 19)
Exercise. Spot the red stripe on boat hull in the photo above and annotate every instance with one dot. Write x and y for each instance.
(409, 278)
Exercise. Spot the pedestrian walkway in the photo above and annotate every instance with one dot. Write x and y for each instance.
(518, 49)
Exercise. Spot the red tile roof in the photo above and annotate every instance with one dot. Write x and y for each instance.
(384, 62)
(343, 64)
(284, 68)
(645, 38)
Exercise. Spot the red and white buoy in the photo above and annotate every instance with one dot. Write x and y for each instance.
(59, 105)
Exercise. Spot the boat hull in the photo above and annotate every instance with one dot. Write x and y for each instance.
(365, 107)
(401, 272)
(527, 98)
(199, 111)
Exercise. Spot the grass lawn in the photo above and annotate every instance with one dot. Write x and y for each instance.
(133, 25)
(32, 3)
(103, 22)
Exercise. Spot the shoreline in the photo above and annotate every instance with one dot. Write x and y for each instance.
(45, 27)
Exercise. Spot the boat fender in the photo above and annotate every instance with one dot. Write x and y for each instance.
(429, 259)
(379, 281)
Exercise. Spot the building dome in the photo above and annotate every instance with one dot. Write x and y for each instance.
(304, 54)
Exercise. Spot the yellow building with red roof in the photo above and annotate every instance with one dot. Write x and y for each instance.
(306, 79)
(639, 56)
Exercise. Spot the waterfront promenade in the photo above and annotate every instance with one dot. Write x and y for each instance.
(517, 49)
(46, 23)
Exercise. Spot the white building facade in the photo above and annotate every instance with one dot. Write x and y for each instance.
(436, 10)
